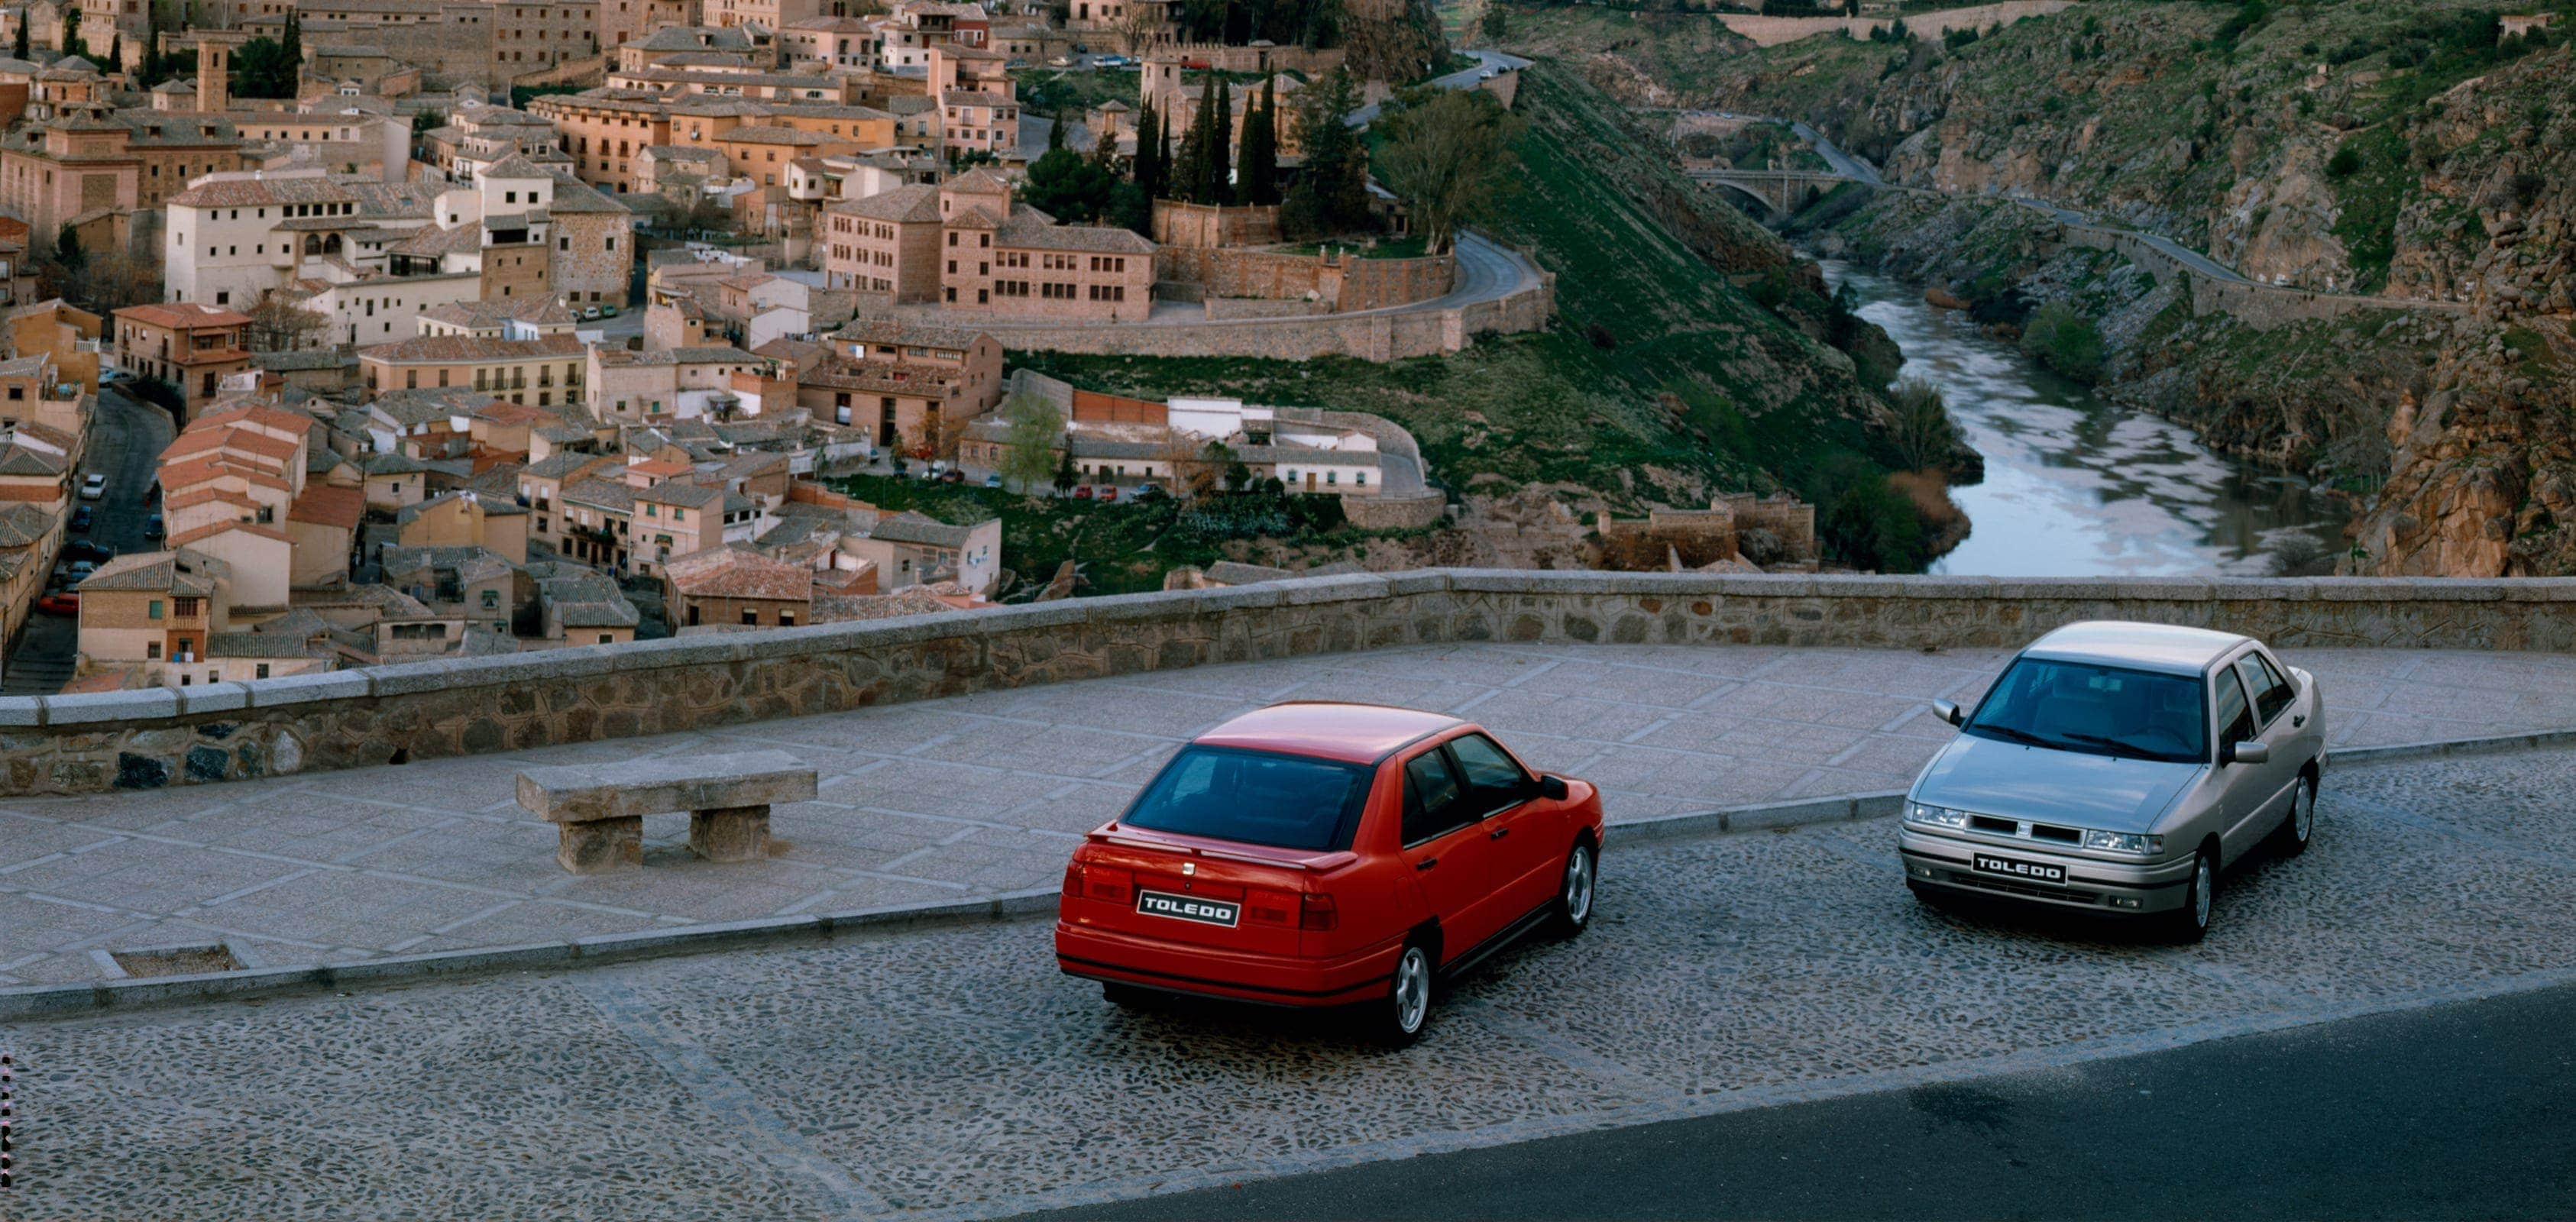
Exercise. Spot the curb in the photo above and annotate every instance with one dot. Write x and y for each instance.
(54, 1001)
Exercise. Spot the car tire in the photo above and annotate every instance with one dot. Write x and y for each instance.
(2300, 825)
(2190, 922)
(1575, 888)
(1399, 1017)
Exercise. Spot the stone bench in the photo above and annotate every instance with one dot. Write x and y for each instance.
(598, 809)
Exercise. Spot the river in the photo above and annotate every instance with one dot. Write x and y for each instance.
(2077, 487)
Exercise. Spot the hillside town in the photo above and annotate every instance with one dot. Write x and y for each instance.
(389, 331)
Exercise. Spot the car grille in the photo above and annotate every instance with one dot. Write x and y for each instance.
(2025, 831)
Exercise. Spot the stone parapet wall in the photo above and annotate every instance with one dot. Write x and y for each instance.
(98, 742)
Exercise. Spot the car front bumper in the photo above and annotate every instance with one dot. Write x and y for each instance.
(2115, 888)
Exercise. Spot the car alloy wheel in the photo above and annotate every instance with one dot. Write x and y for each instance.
(1574, 894)
(2303, 815)
(1410, 996)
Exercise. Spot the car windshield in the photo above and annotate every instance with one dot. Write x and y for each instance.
(2098, 710)
(1254, 797)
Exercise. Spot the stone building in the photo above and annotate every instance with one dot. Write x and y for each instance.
(737, 586)
(190, 346)
(970, 248)
(543, 371)
(152, 612)
(914, 383)
(91, 160)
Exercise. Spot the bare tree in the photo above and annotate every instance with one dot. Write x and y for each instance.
(279, 325)
(1445, 156)
(1920, 425)
(1136, 26)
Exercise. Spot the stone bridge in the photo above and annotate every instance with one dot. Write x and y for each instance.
(1780, 192)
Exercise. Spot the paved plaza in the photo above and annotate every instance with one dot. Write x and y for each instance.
(954, 1073)
(976, 795)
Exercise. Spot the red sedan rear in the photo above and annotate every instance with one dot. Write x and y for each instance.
(1328, 854)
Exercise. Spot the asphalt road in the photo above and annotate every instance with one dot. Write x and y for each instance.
(126, 438)
(2457, 1111)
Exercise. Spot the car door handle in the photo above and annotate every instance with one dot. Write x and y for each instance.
(1426, 863)
(2297, 720)
(1498, 833)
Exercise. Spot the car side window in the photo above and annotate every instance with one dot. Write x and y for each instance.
(1493, 779)
(2271, 692)
(2235, 717)
(1432, 805)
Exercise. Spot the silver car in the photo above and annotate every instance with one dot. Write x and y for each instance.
(2118, 768)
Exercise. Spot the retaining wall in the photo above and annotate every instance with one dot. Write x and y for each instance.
(92, 743)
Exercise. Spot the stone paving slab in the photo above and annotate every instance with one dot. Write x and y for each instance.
(981, 794)
(953, 1073)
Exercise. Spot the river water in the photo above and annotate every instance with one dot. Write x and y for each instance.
(2077, 487)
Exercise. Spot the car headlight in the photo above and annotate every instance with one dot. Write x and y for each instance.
(1935, 816)
(2123, 842)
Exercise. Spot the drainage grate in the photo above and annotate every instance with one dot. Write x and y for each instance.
(176, 960)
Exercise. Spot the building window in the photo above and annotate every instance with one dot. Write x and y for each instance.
(153, 611)
(750, 616)
(261, 672)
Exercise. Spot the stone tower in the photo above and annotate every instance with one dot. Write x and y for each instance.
(214, 77)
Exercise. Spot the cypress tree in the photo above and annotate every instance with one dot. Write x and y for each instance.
(1055, 130)
(1261, 148)
(294, 43)
(1220, 136)
(1190, 169)
(115, 51)
(1149, 151)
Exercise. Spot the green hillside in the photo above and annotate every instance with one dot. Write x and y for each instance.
(1663, 380)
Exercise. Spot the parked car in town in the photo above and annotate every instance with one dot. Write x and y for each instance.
(2118, 768)
(952, 476)
(1150, 492)
(1082, 492)
(590, 313)
(608, 310)
(81, 518)
(152, 527)
(83, 549)
(1108, 492)
(79, 572)
(93, 486)
(993, 481)
(1316, 854)
(66, 603)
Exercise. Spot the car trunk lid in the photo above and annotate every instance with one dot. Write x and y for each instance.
(1198, 891)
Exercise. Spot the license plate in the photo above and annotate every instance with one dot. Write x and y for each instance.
(1188, 908)
(2027, 871)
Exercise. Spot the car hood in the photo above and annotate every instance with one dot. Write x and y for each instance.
(2012, 781)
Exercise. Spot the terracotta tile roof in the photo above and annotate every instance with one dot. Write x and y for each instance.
(179, 572)
(727, 571)
(328, 505)
(209, 495)
(910, 203)
(186, 537)
(183, 315)
(472, 348)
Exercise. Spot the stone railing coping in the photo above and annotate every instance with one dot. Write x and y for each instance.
(156, 704)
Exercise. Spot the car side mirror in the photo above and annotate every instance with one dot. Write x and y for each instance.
(1552, 788)
(1947, 711)
(2249, 753)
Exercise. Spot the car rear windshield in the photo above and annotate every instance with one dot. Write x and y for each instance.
(2098, 710)
(1254, 797)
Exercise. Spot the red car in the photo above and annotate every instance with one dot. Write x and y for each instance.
(1324, 855)
(1108, 492)
(59, 604)
(1082, 493)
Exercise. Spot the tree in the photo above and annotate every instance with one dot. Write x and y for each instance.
(1220, 185)
(427, 121)
(1055, 130)
(1032, 429)
(280, 325)
(1136, 26)
(1069, 186)
(151, 72)
(1494, 24)
(115, 52)
(67, 249)
(72, 44)
(1445, 156)
(1065, 476)
(1921, 428)
(22, 49)
(293, 42)
(1149, 167)
(261, 69)
(1190, 168)
(1332, 195)
(2064, 340)
(1261, 148)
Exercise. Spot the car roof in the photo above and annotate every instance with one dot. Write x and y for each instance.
(1359, 733)
(2171, 648)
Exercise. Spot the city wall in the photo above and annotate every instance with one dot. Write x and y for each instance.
(92, 743)
(1770, 31)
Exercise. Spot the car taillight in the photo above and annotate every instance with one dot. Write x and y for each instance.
(1317, 912)
(1072, 888)
(1109, 885)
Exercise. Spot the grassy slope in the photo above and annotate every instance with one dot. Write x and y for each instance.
(1642, 253)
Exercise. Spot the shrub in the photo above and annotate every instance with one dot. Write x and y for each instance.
(2064, 340)
(2345, 163)
(1601, 337)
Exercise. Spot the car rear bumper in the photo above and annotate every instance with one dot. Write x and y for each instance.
(2112, 888)
(1279, 980)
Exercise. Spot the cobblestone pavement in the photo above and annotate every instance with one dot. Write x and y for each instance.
(976, 795)
(953, 1072)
